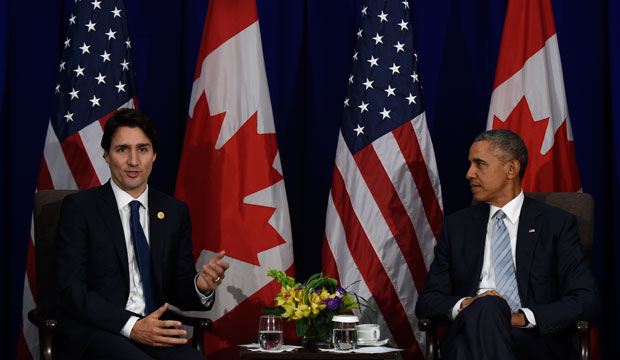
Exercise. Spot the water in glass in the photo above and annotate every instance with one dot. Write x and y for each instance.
(270, 340)
(270, 335)
(345, 339)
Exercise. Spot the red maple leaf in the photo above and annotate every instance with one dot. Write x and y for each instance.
(554, 171)
(215, 182)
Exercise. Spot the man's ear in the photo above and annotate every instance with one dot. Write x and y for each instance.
(512, 169)
(106, 156)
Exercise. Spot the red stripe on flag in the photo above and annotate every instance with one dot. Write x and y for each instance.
(225, 19)
(329, 267)
(373, 272)
(104, 119)
(410, 147)
(79, 162)
(23, 352)
(393, 211)
(528, 23)
(31, 272)
(45, 178)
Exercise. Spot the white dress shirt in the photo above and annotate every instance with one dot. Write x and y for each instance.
(135, 301)
(487, 277)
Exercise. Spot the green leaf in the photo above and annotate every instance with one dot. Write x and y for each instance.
(301, 328)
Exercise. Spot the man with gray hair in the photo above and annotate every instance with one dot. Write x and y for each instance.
(509, 275)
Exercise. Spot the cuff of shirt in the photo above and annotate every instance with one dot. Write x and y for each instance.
(205, 297)
(455, 309)
(126, 330)
(529, 315)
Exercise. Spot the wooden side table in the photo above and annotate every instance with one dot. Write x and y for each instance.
(314, 354)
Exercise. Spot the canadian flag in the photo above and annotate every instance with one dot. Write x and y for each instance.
(528, 97)
(230, 174)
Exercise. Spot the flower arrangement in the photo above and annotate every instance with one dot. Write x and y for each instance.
(312, 304)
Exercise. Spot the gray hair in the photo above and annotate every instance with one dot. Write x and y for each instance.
(507, 146)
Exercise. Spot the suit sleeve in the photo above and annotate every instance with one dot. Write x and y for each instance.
(577, 293)
(75, 298)
(437, 298)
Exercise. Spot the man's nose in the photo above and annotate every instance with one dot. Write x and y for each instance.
(470, 174)
(132, 159)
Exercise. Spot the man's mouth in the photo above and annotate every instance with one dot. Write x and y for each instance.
(132, 173)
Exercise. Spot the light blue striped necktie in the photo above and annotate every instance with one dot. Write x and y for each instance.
(505, 279)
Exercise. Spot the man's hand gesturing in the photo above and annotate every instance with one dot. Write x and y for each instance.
(154, 332)
(212, 274)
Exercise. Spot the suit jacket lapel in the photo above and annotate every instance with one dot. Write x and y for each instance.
(157, 228)
(526, 244)
(112, 219)
(476, 237)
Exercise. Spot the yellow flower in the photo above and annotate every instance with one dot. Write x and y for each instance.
(316, 302)
(288, 295)
(302, 311)
(289, 310)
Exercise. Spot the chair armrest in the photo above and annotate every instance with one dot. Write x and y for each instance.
(426, 325)
(47, 329)
(583, 335)
(199, 325)
(430, 328)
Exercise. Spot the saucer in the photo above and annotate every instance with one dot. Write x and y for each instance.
(362, 342)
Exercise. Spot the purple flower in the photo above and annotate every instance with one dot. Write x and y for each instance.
(340, 292)
(318, 292)
(331, 304)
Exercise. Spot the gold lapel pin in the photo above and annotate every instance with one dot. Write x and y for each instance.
(161, 215)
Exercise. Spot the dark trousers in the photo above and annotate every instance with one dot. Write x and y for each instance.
(105, 345)
(483, 331)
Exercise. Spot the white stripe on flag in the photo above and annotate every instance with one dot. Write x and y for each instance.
(377, 230)
(31, 332)
(56, 162)
(91, 138)
(428, 152)
(395, 165)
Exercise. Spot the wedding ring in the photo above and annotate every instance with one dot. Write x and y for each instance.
(218, 279)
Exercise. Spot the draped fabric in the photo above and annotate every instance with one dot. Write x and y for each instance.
(308, 47)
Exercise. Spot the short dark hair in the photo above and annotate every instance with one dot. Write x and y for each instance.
(507, 146)
(131, 118)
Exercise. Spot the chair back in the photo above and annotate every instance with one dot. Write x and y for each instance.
(577, 203)
(46, 210)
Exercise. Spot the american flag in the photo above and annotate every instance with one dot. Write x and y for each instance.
(384, 210)
(95, 78)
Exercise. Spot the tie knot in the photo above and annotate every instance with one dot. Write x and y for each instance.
(134, 205)
(499, 215)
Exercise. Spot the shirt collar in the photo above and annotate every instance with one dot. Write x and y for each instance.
(123, 198)
(512, 209)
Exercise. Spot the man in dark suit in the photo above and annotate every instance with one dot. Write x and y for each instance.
(123, 253)
(509, 275)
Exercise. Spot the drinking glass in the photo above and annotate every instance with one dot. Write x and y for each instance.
(344, 334)
(270, 335)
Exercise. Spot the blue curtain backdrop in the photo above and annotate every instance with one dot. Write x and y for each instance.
(308, 51)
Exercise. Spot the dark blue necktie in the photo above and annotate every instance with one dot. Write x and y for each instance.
(143, 255)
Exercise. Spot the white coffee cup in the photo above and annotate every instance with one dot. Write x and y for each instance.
(368, 333)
